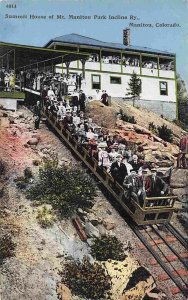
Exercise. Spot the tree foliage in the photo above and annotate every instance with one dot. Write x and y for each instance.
(165, 133)
(182, 100)
(86, 279)
(64, 188)
(107, 247)
(135, 86)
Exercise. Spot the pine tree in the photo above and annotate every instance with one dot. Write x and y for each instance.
(182, 96)
(134, 87)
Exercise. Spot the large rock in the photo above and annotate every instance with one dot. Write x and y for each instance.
(109, 223)
(91, 230)
(141, 130)
(150, 158)
(63, 292)
(121, 273)
(179, 178)
(164, 163)
(33, 141)
(182, 193)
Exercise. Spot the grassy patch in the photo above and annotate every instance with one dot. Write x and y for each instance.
(13, 95)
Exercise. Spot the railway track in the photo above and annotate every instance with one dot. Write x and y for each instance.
(170, 252)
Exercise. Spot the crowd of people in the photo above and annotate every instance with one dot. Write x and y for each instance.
(61, 83)
(131, 61)
(7, 80)
(124, 162)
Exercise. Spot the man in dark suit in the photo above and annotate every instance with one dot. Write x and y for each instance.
(154, 185)
(104, 98)
(118, 170)
(82, 101)
(133, 186)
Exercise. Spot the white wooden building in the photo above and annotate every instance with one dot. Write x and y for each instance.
(109, 66)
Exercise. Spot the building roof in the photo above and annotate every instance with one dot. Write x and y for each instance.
(26, 56)
(77, 39)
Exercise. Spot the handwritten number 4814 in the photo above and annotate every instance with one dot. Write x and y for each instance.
(11, 6)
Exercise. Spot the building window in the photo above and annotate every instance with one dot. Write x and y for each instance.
(163, 88)
(115, 80)
(96, 82)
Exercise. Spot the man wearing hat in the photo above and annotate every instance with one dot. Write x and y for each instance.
(154, 185)
(118, 170)
(183, 150)
(133, 186)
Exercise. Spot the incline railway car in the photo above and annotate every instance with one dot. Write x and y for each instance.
(154, 210)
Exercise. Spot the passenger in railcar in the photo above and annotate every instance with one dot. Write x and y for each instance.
(135, 163)
(127, 164)
(118, 170)
(113, 154)
(103, 158)
(50, 92)
(154, 185)
(133, 186)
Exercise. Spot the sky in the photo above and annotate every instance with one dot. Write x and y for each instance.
(38, 32)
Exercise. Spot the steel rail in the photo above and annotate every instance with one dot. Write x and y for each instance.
(157, 257)
(170, 247)
(177, 234)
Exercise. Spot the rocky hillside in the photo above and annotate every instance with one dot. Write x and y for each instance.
(31, 270)
(154, 149)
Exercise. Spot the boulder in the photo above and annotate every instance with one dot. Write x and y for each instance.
(36, 162)
(33, 141)
(11, 120)
(150, 158)
(182, 193)
(164, 163)
(109, 223)
(94, 219)
(141, 130)
(179, 178)
(20, 115)
(63, 292)
(91, 230)
(101, 229)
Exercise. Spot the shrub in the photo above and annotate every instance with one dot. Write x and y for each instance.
(21, 182)
(86, 279)
(165, 133)
(153, 128)
(7, 247)
(126, 118)
(28, 173)
(107, 247)
(45, 217)
(65, 189)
